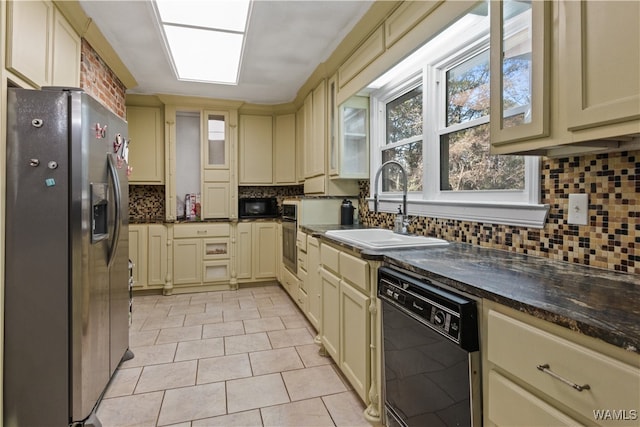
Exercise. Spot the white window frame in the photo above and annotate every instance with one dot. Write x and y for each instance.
(510, 207)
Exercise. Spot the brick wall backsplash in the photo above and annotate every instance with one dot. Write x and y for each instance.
(610, 240)
(97, 79)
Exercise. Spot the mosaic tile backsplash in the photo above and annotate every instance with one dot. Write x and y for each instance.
(610, 241)
(146, 203)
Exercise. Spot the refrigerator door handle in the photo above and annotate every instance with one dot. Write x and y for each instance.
(113, 173)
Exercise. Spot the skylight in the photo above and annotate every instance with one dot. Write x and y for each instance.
(204, 39)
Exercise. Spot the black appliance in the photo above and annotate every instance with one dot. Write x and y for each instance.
(346, 212)
(430, 352)
(258, 207)
(289, 235)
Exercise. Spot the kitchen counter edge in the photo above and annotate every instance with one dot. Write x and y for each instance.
(594, 302)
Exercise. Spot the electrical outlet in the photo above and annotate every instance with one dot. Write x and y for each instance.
(578, 209)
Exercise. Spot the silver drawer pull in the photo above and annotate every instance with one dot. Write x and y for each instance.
(547, 370)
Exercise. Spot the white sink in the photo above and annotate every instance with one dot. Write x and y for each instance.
(379, 238)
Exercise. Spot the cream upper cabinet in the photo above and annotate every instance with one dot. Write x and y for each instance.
(219, 197)
(200, 156)
(370, 49)
(284, 150)
(520, 63)
(353, 139)
(311, 167)
(29, 37)
(584, 94)
(256, 149)
(146, 151)
(65, 68)
(320, 118)
(42, 47)
(405, 17)
(600, 54)
(300, 142)
(315, 131)
(215, 145)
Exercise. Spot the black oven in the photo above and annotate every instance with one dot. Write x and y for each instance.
(258, 207)
(289, 235)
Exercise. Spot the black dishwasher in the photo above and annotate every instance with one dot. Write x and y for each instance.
(430, 352)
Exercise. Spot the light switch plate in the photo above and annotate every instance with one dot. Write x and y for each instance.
(578, 209)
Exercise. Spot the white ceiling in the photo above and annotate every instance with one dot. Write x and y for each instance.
(286, 40)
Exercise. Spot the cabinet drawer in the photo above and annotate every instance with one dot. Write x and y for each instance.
(302, 279)
(519, 349)
(301, 241)
(330, 258)
(355, 270)
(511, 405)
(215, 271)
(289, 281)
(200, 230)
(302, 261)
(301, 299)
(217, 248)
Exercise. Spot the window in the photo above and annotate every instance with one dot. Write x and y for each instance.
(465, 162)
(404, 141)
(433, 118)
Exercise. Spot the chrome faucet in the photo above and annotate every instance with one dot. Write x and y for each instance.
(404, 183)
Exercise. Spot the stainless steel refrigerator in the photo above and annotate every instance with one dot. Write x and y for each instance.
(66, 277)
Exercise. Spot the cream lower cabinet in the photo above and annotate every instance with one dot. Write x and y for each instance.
(256, 251)
(157, 249)
(346, 320)
(313, 282)
(138, 242)
(148, 252)
(201, 257)
(538, 374)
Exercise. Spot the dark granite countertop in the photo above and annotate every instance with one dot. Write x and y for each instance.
(598, 303)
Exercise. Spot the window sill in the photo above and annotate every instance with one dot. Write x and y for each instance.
(516, 214)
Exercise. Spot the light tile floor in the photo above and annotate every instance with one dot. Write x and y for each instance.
(229, 358)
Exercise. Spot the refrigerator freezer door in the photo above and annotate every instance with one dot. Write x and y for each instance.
(36, 333)
(66, 311)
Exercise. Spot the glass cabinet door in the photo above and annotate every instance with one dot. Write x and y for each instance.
(519, 70)
(354, 138)
(216, 153)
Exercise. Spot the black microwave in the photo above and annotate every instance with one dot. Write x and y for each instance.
(258, 207)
